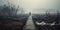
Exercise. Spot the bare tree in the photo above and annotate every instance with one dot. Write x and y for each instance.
(6, 10)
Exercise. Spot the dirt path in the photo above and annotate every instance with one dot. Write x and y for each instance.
(29, 25)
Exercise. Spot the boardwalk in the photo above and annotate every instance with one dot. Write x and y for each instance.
(29, 25)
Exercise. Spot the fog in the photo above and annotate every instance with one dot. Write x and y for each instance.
(35, 6)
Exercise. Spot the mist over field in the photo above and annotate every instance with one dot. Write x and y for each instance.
(34, 6)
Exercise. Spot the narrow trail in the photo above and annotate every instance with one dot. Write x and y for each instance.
(30, 25)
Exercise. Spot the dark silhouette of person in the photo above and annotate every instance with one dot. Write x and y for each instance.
(29, 13)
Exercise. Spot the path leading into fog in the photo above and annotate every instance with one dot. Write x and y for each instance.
(30, 25)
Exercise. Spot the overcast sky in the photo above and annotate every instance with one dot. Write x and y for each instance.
(35, 6)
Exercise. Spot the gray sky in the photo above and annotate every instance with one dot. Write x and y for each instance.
(35, 6)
